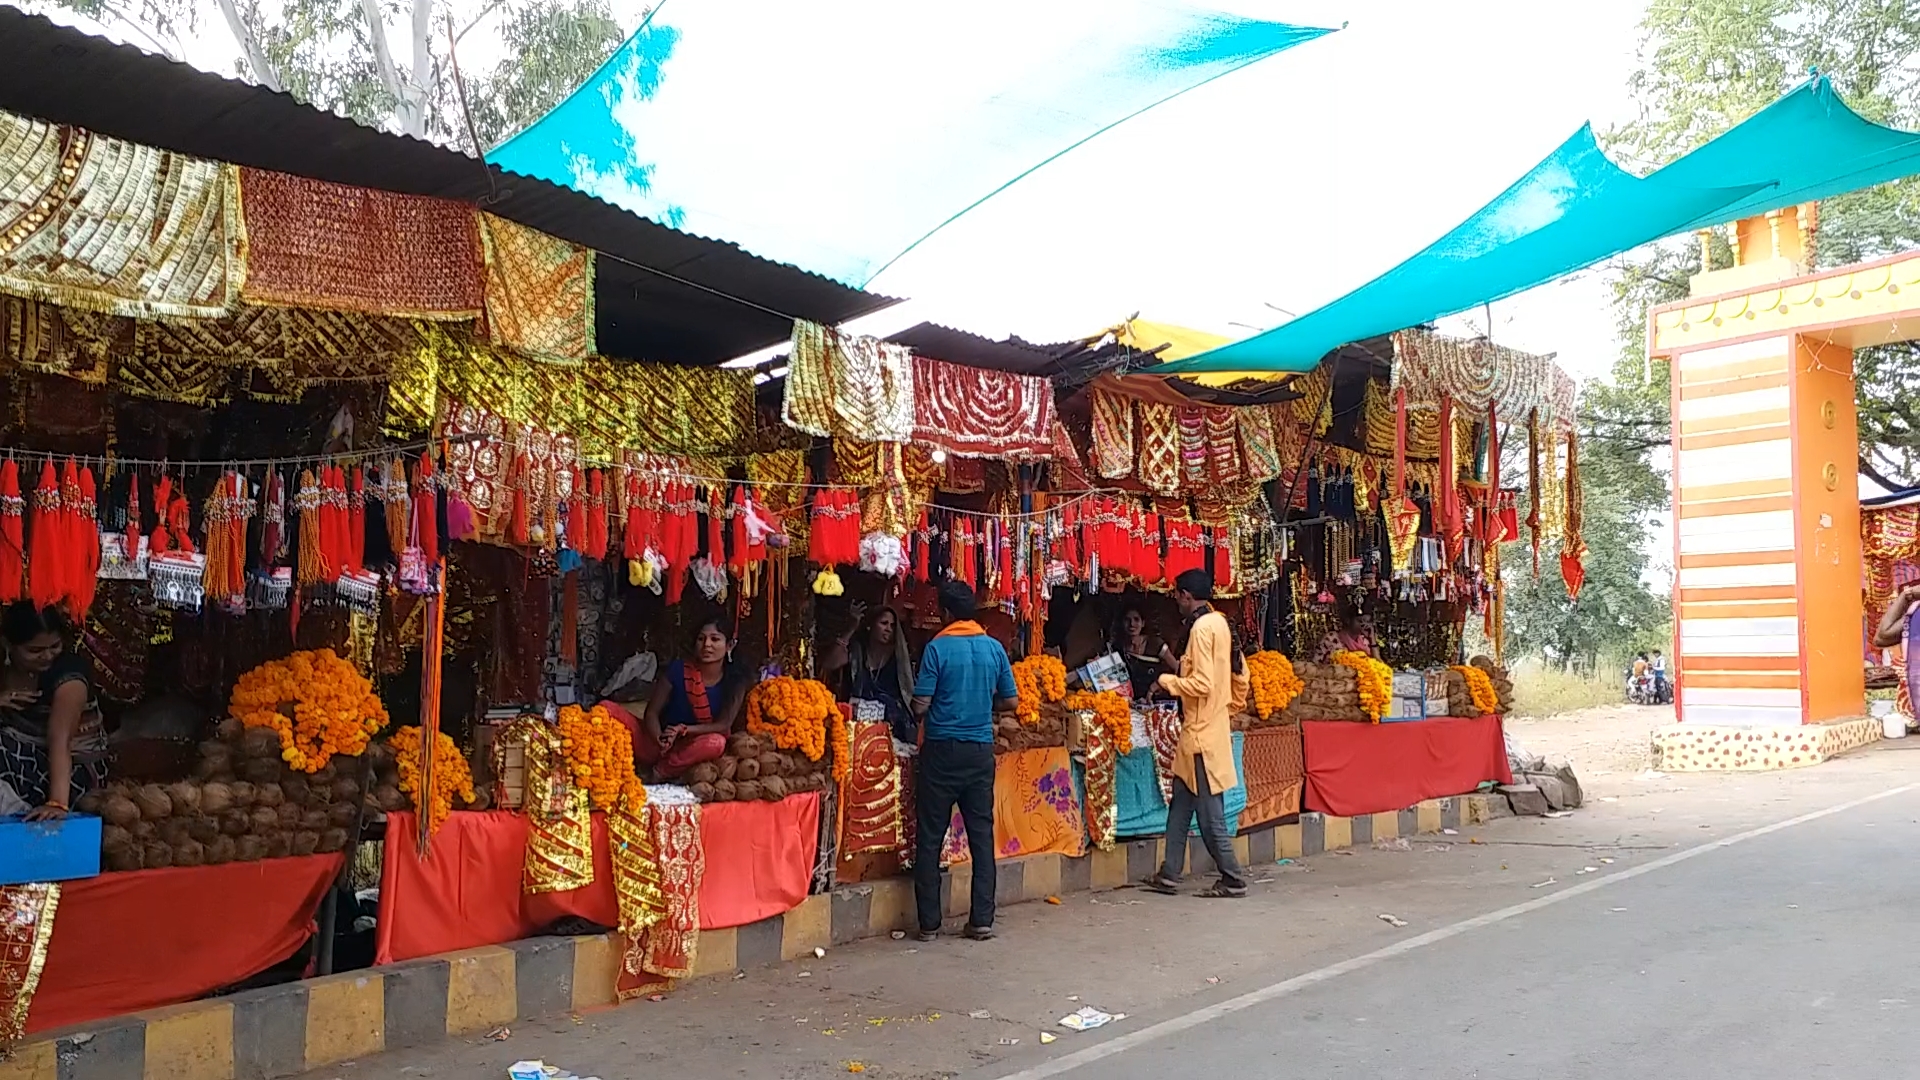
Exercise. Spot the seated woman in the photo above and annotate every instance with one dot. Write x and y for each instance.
(695, 705)
(1353, 633)
(874, 656)
(1141, 651)
(53, 745)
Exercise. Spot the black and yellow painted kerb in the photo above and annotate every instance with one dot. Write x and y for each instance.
(290, 1029)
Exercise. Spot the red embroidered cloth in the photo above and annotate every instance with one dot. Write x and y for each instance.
(973, 412)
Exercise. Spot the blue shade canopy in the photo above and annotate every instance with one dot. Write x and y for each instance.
(890, 120)
(1577, 208)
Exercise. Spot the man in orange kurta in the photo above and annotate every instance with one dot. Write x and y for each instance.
(1203, 761)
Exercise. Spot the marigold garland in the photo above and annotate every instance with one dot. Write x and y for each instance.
(1274, 683)
(1375, 679)
(1480, 686)
(318, 702)
(599, 753)
(1112, 710)
(451, 776)
(842, 745)
(1038, 679)
(793, 713)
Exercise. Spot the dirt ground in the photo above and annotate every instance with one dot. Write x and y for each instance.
(902, 1011)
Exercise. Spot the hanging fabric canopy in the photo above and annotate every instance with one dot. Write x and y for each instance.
(1577, 208)
(889, 123)
(1164, 340)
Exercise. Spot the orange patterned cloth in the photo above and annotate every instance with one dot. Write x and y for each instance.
(1035, 810)
(665, 951)
(26, 929)
(316, 244)
(870, 819)
(1274, 768)
(539, 291)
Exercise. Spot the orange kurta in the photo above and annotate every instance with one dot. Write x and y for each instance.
(1205, 687)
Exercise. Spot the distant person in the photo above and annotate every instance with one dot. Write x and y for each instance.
(878, 668)
(1640, 666)
(964, 679)
(1140, 650)
(1896, 628)
(1203, 761)
(1659, 666)
(1352, 632)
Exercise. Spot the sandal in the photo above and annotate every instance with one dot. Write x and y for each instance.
(1161, 884)
(1222, 892)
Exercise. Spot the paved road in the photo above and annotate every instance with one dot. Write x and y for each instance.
(1789, 954)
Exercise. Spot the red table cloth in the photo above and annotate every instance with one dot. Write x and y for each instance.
(466, 892)
(1355, 769)
(145, 938)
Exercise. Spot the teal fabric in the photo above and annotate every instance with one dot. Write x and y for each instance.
(1577, 208)
(1141, 811)
(838, 138)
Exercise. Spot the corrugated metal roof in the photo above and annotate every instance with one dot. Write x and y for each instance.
(663, 294)
(1012, 355)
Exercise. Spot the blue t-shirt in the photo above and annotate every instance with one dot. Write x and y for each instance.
(963, 677)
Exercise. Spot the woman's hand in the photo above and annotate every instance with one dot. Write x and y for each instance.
(18, 699)
(47, 812)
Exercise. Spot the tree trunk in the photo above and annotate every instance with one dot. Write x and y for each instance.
(409, 99)
(264, 72)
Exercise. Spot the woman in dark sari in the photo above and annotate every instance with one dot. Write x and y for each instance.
(53, 745)
(877, 667)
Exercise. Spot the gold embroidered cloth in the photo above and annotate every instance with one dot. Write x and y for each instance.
(1103, 806)
(1478, 374)
(636, 886)
(539, 291)
(559, 854)
(26, 929)
(1112, 434)
(665, 951)
(980, 413)
(106, 225)
(608, 406)
(848, 385)
(315, 244)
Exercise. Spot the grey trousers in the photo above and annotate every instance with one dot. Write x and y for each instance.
(1212, 808)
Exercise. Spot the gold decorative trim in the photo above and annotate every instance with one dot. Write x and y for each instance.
(1862, 295)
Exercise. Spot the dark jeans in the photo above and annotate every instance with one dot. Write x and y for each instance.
(952, 773)
(1212, 808)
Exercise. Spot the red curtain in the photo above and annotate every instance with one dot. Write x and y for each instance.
(1355, 769)
(146, 938)
(466, 892)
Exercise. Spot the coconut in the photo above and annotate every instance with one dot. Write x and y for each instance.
(250, 849)
(185, 797)
(230, 729)
(279, 845)
(744, 745)
(260, 743)
(346, 789)
(297, 790)
(189, 853)
(746, 790)
(120, 857)
(325, 774)
(261, 770)
(216, 798)
(156, 855)
(269, 794)
(729, 766)
(224, 849)
(314, 818)
(773, 788)
(770, 765)
(319, 794)
(265, 821)
(203, 829)
(235, 823)
(703, 792)
(725, 791)
(305, 842)
(332, 840)
(144, 830)
(120, 810)
(749, 770)
(390, 798)
(704, 773)
(290, 815)
(379, 755)
(244, 794)
(342, 814)
(91, 803)
(153, 801)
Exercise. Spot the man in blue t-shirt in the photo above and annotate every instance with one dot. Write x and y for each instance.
(964, 679)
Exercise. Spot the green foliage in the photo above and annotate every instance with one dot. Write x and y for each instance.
(554, 46)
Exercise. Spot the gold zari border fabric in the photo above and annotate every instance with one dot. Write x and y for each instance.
(112, 226)
(539, 291)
